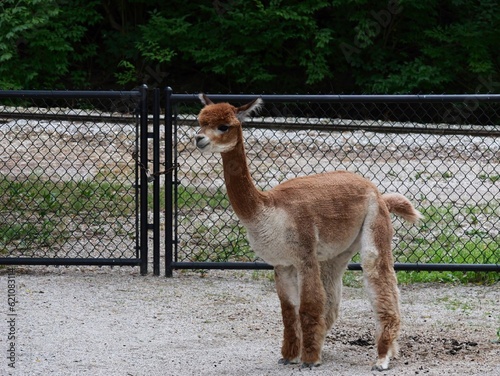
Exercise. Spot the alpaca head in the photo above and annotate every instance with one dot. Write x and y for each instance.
(221, 124)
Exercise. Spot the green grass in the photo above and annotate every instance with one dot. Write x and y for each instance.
(481, 278)
(40, 213)
(222, 244)
(189, 197)
(448, 234)
(492, 178)
(47, 197)
(425, 175)
(27, 235)
(454, 235)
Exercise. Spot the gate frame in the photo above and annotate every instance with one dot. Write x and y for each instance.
(141, 186)
(171, 239)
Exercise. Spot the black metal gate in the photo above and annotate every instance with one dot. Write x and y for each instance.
(73, 181)
(441, 151)
(92, 177)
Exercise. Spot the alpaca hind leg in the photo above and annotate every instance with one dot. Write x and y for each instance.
(385, 302)
(312, 313)
(288, 292)
(381, 285)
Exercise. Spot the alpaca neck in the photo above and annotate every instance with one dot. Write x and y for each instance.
(245, 199)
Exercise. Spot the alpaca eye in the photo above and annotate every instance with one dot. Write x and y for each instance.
(223, 128)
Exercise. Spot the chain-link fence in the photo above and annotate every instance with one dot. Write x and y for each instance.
(73, 179)
(69, 178)
(442, 152)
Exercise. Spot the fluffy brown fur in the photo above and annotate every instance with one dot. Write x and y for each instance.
(308, 228)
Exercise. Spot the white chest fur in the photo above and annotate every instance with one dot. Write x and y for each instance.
(269, 236)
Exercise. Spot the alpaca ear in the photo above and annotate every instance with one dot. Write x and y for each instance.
(204, 99)
(248, 109)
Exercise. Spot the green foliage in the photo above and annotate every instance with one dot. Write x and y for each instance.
(40, 42)
(243, 43)
(481, 278)
(430, 46)
(344, 45)
(153, 44)
(49, 198)
(126, 73)
(235, 45)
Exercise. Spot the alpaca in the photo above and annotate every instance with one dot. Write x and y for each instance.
(309, 228)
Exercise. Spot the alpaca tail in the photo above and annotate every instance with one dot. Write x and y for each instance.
(401, 206)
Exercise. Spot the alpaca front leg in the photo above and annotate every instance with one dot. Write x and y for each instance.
(312, 315)
(288, 293)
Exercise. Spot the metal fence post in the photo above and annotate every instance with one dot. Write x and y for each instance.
(156, 182)
(169, 183)
(144, 179)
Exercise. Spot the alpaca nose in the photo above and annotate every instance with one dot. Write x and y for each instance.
(201, 141)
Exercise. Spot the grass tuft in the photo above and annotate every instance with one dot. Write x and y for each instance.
(38, 213)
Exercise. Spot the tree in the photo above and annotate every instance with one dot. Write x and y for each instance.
(238, 45)
(362, 46)
(424, 46)
(340, 46)
(40, 43)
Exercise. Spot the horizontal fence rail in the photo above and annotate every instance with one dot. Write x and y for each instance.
(441, 151)
(69, 178)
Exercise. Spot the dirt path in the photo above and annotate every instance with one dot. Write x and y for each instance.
(114, 322)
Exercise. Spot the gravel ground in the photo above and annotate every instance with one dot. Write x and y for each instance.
(90, 321)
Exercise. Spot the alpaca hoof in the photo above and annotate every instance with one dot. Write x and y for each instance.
(310, 365)
(381, 365)
(286, 362)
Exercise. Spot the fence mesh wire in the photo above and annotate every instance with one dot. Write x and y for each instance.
(67, 178)
(443, 156)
